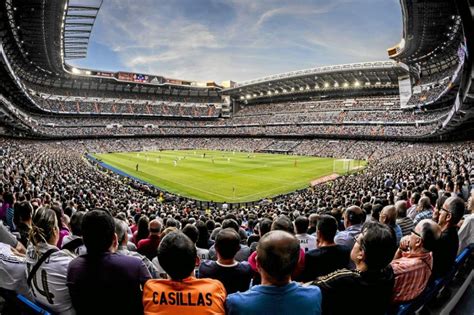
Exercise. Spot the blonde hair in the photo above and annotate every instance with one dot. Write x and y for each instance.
(44, 226)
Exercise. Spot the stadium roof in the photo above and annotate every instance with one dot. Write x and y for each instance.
(354, 76)
(432, 33)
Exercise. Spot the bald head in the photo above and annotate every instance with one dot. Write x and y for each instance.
(277, 254)
(456, 207)
(353, 215)
(429, 232)
(388, 215)
(155, 226)
(401, 208)
(424, 203)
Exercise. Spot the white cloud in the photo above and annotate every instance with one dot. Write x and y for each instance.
(157, 38)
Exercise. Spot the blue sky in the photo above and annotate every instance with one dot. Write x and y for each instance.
(216, 40)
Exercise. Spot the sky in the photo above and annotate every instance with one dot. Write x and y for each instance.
(239, 40)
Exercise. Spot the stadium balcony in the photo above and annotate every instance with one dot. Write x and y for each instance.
(431, 36)
(37, 40)
(358, 79)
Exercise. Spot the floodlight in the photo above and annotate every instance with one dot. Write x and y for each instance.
(346, 84)
(248, 96)
(336, 85)
(356, 83)
(326, 85)
(75, 70)
(88, 72)
(316, 86)
(301, 88)
(269, 92)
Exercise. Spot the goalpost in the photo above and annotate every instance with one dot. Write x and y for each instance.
(345, 166)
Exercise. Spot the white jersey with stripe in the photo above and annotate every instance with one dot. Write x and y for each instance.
(307, 242)
(13, 271)
(48, 285)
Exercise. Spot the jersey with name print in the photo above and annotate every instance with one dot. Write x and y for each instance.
(48, 285)
(189, 296)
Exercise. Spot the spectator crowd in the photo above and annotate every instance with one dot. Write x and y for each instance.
(79, 240)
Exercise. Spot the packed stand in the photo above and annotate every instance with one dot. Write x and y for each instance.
(82, 237)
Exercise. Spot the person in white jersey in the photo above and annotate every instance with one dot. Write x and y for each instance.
(48, 275)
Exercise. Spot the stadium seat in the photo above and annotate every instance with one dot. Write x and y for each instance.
(17, 304)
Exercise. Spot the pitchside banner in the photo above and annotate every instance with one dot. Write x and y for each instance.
(404, 85)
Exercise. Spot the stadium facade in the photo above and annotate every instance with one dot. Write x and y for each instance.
(425, 92)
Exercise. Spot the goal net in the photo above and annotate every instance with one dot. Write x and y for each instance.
(345, 166)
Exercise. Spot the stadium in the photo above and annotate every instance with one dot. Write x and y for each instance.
(169, 195)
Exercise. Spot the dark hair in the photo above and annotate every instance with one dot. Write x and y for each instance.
(211, 225)
(301, 224)
(23, 212)
(98, 229)
(227, 243)
(177, 255)
(457, 208)
(355, 215)
(265, 226)
(59, 214)
(230, 223)
(429, 236)
(450, 185)
(379, 243)
(192, 232)
(327, 227)
(9, 198)
(142, 229)
(367, 207)
(76, 223)
(203, 239)
(376, 211)
(416, 197)
(252, 239)
(283, 223)
(44, 225)
(278, 253)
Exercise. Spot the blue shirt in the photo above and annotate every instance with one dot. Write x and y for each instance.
(267, 299)
(348, 236)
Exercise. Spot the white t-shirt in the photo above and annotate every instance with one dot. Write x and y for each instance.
(53, 273)
(202, 253)
(307, 242)
(161, 272)
(13, 271)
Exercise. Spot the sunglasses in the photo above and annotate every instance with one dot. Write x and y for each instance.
(416, 233)
(444, 210)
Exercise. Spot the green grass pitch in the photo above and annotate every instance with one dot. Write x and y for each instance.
(224, 176)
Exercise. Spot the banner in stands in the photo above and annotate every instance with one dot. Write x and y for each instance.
(104, 74)
(125, 76)
(140, 78)
(404, 85)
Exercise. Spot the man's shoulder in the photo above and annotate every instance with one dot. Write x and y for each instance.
(208, 283)
(337, 278)
(208, 265)
(143, 242)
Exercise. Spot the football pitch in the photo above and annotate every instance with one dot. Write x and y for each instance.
(226, 176)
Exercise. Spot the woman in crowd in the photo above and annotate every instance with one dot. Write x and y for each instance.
(47, 265)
